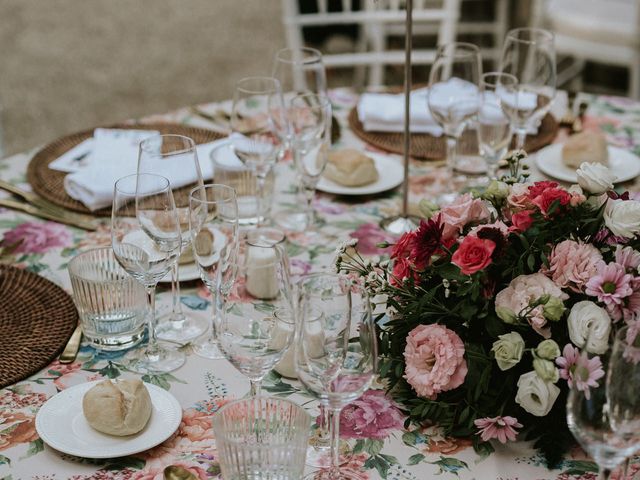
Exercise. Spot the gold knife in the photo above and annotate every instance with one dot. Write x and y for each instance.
(39, 212)
(69, 353)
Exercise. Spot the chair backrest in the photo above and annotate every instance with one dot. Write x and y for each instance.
(372, 16)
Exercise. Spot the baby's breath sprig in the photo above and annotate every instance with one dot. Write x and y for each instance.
(518, 170)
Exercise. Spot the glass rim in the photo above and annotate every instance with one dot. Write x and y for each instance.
(144, 144)
(314, 56)
(486, 75)
(84, 253)
(260, 398)
(514, 33)
(252, 90)
(121, 181)
(231, 193)
(255, 242)
(459, 49)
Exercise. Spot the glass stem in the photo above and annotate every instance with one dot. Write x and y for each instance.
(521, 135)
(176, 306)
(334, 419)
(309, 193)
(214, 328)
(452, 147)
(256, 387)
(324, 428)
(151, 325)
(492, 168)
(260, 181)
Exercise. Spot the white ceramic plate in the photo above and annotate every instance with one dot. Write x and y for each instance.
(622, 163)
(390, 173)
(61, 425)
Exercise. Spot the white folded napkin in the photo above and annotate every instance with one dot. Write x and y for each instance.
(383, 112)
(114, 154)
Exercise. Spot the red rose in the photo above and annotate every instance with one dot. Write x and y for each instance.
(401, 271)
(546, 199)
(403, 247)
(473, 255)
(539, 188)
(521, 221)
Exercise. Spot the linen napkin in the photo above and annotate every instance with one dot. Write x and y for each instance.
(384, 112)
(114, 154)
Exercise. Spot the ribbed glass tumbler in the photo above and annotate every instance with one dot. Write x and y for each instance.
(262, 438)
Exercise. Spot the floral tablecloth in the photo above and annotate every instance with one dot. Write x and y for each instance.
(202, 386)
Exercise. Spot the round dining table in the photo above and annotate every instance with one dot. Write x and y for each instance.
(202, 386)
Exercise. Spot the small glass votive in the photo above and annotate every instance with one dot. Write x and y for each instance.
(111, 304)
(229, 170)
(262, 437)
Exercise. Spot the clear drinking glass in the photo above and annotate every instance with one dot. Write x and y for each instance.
(250, 288)
(494, 129)
(111, 304)
(299, 70)
(261, 437)
(175, 158)
(146, 240)
(336, 354)
(310, 117)
(259, 126)
(453, 99)
(529, 54)
(213, 223)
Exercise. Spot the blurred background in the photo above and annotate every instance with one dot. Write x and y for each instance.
(70, 65)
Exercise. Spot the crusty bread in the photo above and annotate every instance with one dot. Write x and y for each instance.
(350, 168)
(585, 147)
(117, 408)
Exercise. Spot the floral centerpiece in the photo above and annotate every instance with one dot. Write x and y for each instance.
(491, 298)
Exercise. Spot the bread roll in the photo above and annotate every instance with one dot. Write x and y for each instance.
(350, 168)
(585, 147)
(117, 408)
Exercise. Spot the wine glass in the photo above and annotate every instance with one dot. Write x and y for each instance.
(529, 54)
(175, 157)
(590, 416)
(336, 353)
(251, 287)
(494, 129)
(299, 70)
(259, 129)
(310, 117)
(146, 241)
(213, 223)
(453, 99)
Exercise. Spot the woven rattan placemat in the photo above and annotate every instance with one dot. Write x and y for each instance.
(36, 320)
(49, 183)
(433, 148)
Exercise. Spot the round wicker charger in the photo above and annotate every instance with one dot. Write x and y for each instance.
(36, 320)
(49, 183)
(428, 147)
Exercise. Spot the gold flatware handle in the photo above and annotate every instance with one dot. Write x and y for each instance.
(9, 187)
(38, 212)
(69, 353)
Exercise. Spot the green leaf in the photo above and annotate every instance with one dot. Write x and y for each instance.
(264, 307)
(358, 447)
(34, 447)
(4, 460)
(416, 459)
(580, 467)
(159, 380)
(373, 446)
(133, 463)
(450, 465)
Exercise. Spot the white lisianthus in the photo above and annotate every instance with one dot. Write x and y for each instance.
(595, 178)
(535, 395)
(589, 327)
(508, 350)
(546, 370)
(622, 217)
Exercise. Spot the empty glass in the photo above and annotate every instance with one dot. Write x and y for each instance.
(300, 70)
(111, 304)
(261, 437)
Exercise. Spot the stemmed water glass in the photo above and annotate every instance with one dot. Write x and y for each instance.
(250, 288)
(146, 241)
(259, 128)
(299, 70)
(213, 223)
(529, 55)
(453, 99)
(335, 353)
(175, 157)
(494, 129)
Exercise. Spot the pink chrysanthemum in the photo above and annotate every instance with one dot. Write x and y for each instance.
(611, 284)
(502, 428)
(579, 370)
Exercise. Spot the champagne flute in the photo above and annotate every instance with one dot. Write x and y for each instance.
(213, 223)
(336, 353)
(146, 241)
(494, 129)
(250, 288)
(453, 99)
(259, 128)
(529, 55)
(175, 157)
(310, 116)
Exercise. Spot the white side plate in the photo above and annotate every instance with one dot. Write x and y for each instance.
(390, 175)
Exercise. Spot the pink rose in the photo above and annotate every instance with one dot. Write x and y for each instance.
(434, 358)
(37, 237)
(373, 415)
(463, 211)
(519, 198)
(572, 264)
(473, 255)
(196, 425)
(521, 221)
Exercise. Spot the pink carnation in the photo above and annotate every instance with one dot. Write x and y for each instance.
(502, 428)
(373, 415)
(572, 264)
(37, 237)
(434, 358)
(463, 211)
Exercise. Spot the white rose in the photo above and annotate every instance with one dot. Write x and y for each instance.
(588, 321)
(508, 350)
(622, 217)
(595, 178)
(535, 395)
